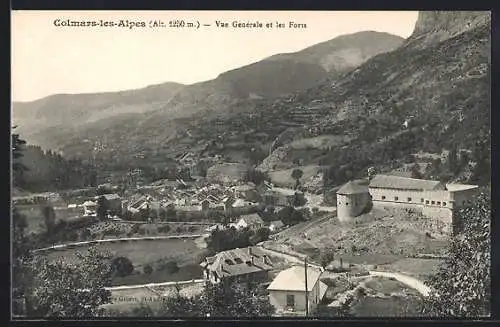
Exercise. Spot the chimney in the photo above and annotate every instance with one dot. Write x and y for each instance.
(252, 260)
(250, 251)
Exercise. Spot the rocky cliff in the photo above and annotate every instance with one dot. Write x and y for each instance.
(436, 26)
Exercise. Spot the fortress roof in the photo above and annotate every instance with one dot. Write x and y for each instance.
(354, 187)
(404, 183)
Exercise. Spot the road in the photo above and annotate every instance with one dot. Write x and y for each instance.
(123, 239)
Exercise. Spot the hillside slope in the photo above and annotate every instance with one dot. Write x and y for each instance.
(346, 52)
(283, 74)
(72, 110)
(438, 80)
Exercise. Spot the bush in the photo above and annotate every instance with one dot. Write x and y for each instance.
(147, 269)
(122, 266)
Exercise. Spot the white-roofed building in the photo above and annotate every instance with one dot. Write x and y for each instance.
(89, 208)
(287, 292)
(253, 221)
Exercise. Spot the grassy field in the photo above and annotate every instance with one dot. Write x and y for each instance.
(154, 252)
(388, 286)
(419, 268)
(319, 142)
(386, 307)
(186, 272)
(142, 252)
(284, 177)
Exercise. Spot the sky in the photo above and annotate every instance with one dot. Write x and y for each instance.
(49, 59)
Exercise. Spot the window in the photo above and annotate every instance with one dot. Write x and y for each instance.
(347, 203)
(238, 260)
(290, 300)
(422, 200)
(426, 201)
(229, 262)
(433, 202)
(439, 203)
(409, 199)
(383, 197)
(396, 198)
(444, 204)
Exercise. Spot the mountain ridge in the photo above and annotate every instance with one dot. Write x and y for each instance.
(264, 79)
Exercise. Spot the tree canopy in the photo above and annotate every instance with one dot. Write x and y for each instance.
(297, 175)
(228, 238)
(73, 290)
(290, 216)
(102, 208)
(17, 153)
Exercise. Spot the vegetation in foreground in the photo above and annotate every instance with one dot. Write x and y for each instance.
(462, 287)
(227, 299)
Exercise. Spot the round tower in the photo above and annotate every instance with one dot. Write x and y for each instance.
(352, 200)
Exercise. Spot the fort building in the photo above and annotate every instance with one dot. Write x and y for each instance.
(352, 200)
(433, 199)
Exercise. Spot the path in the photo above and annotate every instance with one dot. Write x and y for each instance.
(288, 257)
(405, 279)
(123, 239)
(300, 228)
